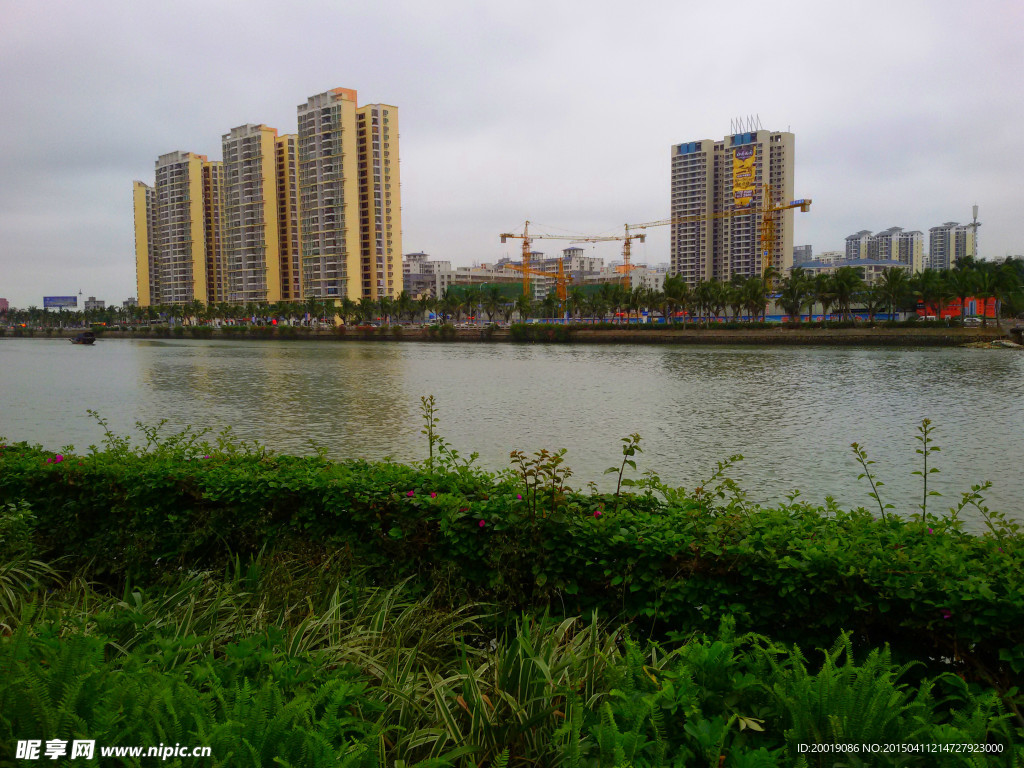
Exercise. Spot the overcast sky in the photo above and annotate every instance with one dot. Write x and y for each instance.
(905, 113)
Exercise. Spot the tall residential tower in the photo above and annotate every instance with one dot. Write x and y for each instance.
(719, 192)
(349, 196)
(178, 229)
(315, 214)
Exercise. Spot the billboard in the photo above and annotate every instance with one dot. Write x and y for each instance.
(743, 175)
(59, 302)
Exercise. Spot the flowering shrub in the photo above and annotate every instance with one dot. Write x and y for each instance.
(671, 564)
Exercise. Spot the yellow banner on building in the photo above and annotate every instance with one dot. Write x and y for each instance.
(743, 175)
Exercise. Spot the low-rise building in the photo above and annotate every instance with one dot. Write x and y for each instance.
(870, 269)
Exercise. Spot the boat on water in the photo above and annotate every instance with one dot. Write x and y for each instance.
(85, 337)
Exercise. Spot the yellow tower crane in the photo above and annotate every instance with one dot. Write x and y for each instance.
(560, 278)
(768, 212)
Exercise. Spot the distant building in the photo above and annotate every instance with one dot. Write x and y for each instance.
(130, 302)
(949, 243)
(4, 306)
(802, 254)
(870, 269)
(896, 245)
(830, 257)
(93, 303)
(315, 214)
(858, 245)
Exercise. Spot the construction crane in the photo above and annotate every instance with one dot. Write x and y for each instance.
(560, 279)
(560, 283)
(768, 224)
(768, 212)
(527, 238)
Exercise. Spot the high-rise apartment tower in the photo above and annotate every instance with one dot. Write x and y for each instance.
(349, 195)
(178, 229)
(719, 191)
(949, 243)
(315, 214)
(249, 237)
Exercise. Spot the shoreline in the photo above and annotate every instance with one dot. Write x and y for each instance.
(560, 334)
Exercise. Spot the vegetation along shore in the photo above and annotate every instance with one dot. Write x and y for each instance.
(290, 610)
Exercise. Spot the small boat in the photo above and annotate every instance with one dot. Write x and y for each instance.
(86, 337)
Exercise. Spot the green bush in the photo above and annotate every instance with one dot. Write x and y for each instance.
(670, 562)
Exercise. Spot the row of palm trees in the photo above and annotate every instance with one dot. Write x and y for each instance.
(839, 293)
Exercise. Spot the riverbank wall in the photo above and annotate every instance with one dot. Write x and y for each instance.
(546, 333)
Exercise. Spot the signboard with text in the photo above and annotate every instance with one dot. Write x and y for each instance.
(743, 175)
(59, 302)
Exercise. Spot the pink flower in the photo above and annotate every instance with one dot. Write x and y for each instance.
(930, 531)
(519, 495)
(946, 613)
(482, 523)
(411, 493)
(206, 457)
(433, 495)
(597, 513)
(57, 459)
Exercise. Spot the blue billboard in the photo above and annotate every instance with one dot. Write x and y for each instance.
(59, 302)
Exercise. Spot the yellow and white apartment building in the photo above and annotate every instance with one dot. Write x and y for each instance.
(314, 214)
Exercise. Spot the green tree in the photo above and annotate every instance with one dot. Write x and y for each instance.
(824, 293)
(491, 302)
(846, 283)
(895, 286)
(795, 291)
(524, 306)
(677, 293)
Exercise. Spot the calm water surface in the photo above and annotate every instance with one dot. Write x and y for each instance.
(791, 412)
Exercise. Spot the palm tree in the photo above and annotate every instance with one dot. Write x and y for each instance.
(796, 289)
(595, 307)
(524, 306)
(549, 305)
(824, 293)
(846, 283)
(702, 300)
(676, 293)
(735, 296)
(491, 302)
(894, 285)
(962, 281)
(387, 308)
(719, 297)
(425, 305)
(872, 298)
(471, 300)
(367, 308)
(754, 294)
(928, 289)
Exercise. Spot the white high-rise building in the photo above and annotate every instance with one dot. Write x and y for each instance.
(949, 243)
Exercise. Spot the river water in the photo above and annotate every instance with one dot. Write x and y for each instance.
(792, 412)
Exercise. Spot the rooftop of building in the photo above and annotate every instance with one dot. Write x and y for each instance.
(816, 264)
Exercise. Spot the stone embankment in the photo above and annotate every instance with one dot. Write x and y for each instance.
(877, 336)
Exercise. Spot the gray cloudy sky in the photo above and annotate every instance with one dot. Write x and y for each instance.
(905, 113)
